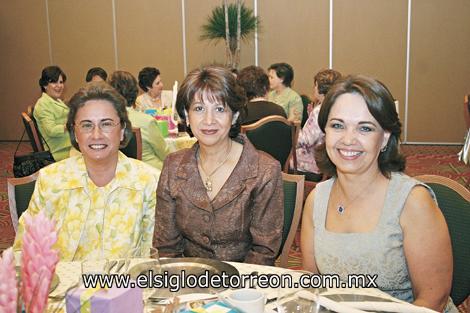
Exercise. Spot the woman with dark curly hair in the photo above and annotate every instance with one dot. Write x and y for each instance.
(50, 112)
(151, 83)
(370, 218)
(221, 199)
(154, 148)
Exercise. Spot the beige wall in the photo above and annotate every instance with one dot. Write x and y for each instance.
(369, 37)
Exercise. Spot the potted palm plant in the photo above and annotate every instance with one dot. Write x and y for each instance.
(231, 23)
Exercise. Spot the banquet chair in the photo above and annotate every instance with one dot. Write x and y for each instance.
(134, 147)
(454, 201)
(33, 133)
(276, 136)
(466, 110)
(20, 191)
(293, 186)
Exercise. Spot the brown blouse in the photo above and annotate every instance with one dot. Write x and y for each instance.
(242, 223)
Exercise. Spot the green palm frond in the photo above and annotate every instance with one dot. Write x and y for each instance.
(214, 29)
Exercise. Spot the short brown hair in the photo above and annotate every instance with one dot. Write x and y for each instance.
(325, 80)
(380, 104)
(213, 82)
(254, 80)
(126, 85)
(98, 91)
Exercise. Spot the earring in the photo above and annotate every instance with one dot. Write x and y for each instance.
(383, 149)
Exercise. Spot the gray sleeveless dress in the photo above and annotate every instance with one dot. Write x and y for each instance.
(379, 252)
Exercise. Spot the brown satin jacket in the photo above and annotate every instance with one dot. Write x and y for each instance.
(243, 223)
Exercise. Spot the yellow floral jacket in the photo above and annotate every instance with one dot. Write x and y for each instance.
(126, 223)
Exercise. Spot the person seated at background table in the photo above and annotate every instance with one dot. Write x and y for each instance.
(370, 218)
(311, 135)
(151, 83)
(221, 199)
(96, 74)
(256, 84)
(102, 201)
(281, 76)
(154, 148)
(50, 112)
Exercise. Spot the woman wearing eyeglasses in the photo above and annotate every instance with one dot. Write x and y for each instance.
(102, 201)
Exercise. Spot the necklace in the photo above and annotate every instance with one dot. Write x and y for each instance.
(341, 207)
(208, 181)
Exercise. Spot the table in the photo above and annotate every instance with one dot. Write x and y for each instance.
(69, 273)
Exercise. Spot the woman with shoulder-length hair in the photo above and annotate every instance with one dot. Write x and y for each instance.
(222, 198)
(103, 203)
(50, 112)
(370, 218)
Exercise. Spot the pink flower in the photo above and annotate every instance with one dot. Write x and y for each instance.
(8, 289)
(38, 261)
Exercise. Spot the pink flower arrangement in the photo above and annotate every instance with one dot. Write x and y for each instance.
(8, 289)
(38, 265)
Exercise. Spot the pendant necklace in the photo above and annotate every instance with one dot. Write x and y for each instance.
(341, 207)
(208, 181)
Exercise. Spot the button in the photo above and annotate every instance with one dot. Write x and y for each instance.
(207, 218)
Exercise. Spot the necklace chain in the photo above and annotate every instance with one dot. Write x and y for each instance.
(341, 207)
(208, 181)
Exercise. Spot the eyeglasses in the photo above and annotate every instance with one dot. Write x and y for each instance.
(104, 126)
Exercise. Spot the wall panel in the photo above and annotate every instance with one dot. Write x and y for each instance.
(206, 52)
(295, 33)
(24, 52)
(439, 70)
(149, 33)
(370, 39)
(82, 37)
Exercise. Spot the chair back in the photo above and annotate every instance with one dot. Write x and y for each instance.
(276, 136)
(466, 110)
(293, 186)
(305, 102)
(134, 147)
(33, 133)
(20, 191)
(454, 201)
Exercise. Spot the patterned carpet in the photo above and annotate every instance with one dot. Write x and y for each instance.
(440, 160)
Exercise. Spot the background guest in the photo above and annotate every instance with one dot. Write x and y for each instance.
(96, 74)
(102, 201)
(281, 76)
(154, 148)
(311, 135)
(151, 83)
(221, 199)
(370, 218)
(256, 84)
(50, 112)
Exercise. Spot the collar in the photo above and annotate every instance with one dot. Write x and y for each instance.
(247, 166)
(56, 101)
(193, 188)
(77, 174)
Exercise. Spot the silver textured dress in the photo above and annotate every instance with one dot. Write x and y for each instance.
(379, 252)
